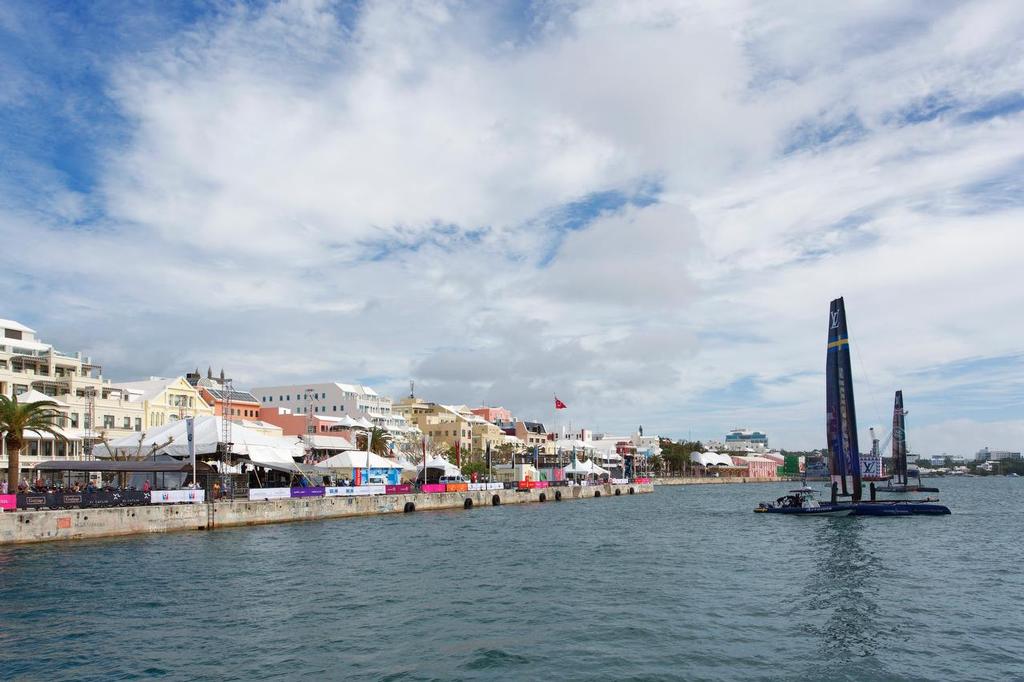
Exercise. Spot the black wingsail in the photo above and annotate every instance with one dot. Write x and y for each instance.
(899, 440)
(841, 414)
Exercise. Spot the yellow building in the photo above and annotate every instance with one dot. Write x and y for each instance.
(441, 424)
(165, 400)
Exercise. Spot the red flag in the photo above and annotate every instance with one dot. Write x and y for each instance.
(559, 405)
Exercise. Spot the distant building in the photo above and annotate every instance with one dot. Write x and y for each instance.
(212, 389)
(333, 399)
(745, 440)
(988, 455)
(496, 415)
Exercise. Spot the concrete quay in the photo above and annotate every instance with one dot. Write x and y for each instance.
(701, 480)
(77, 524)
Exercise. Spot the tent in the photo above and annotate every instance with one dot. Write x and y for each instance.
(440, 467)
(273, 452)
(587, 468)
(357, 459)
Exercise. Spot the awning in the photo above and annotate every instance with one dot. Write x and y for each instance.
(143, 466)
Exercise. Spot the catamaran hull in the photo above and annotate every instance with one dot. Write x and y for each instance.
(906, 489)
(899, 509)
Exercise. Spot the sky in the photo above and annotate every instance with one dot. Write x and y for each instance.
(644, 207)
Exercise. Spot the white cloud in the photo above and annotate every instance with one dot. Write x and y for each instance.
(270, 152)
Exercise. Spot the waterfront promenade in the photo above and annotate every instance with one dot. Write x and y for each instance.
(708, 480)
(75, 524)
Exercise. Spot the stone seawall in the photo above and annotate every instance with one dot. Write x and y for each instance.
(75, 524)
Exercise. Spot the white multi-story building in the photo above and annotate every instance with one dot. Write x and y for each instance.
(333, 399)
(90, 406)
(988, 455)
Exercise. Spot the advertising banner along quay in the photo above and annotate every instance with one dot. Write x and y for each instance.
(172, 496)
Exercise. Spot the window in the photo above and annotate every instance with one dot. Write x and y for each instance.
(127, 423)
(138, 423)
(20, 388)
(12, 334)
(74, 420)
(108, 421)
(88, 422)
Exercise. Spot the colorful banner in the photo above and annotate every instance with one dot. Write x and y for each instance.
(269, 493)
(403, 489)
(307, 492)
(523, 485)
(172, 496)
(620, 481)
(354, 491)
(8, 502)
(486, 486)
(456, 487)
(432, 488)
(641, 480)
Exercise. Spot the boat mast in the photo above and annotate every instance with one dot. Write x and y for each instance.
(841, 413)
(899, 439)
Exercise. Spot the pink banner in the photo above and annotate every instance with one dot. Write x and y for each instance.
(641, 480)
(398, 489)
(432, 488)
(8, 502)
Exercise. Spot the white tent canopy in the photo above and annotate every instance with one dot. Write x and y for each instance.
(356, 459)
(710, 459)
(443, 464)
(274, 451)
(587, 467)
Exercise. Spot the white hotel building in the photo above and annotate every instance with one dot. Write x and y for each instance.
(89, 405)
(333, 400)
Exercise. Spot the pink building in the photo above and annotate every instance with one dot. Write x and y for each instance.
(493, 414)
(297, 424)
(757, 467)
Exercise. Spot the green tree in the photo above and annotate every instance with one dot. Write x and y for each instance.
(17, 419)
(379, 441)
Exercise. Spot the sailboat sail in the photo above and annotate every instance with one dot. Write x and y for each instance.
(899, 440)
(841, 414)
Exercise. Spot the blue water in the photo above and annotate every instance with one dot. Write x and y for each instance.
(683, 584)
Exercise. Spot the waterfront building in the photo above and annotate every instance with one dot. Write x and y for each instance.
(745, 440)
(986, 454)
(334, 399)
(215, 393)
(165, 400)
(533, 434)
(757, 466)
(443, 424)
(90, 406)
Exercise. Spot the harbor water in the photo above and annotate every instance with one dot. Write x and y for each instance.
(686, 583)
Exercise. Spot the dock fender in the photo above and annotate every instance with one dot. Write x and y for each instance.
(542, 498)
(597, 493)
(468, 504)
(409, 507)
(496, 501)
(632, 491)
(618, 492)
(558, 496)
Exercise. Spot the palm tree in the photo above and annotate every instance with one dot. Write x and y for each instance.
(18, 418)
(378, 441)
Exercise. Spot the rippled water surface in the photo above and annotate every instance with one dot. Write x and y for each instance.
(683, 584)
